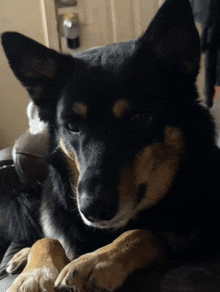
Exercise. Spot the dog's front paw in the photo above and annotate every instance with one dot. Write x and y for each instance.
(36, 280)
(91, 272)
(18, 261)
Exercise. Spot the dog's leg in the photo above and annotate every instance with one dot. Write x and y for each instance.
(107, 268)
(45, 260)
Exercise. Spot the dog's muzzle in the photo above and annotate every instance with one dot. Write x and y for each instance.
(95, 202)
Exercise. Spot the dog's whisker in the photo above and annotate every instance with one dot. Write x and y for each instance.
(73, 188)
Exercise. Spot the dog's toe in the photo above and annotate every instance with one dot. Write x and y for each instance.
(87, 273)
(37, 280)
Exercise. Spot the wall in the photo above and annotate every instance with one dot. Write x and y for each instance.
(23, 16)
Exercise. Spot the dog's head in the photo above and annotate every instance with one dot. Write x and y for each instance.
(120, 112)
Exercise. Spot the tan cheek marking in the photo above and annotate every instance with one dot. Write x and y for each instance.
(80, 109)
(120, 107)
(127, 191)
(72, 161)
(157, 166)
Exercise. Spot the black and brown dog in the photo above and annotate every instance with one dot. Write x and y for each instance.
(134, 172)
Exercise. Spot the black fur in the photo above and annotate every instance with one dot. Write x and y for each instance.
(155, 74)
(19, 221)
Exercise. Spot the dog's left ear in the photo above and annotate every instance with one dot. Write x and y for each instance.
(42, 71)
(174, 38)
(35, 65)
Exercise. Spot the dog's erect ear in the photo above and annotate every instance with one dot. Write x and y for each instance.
(36, 66)
(173, 36)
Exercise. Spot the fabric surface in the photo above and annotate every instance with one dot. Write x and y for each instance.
(6, 283)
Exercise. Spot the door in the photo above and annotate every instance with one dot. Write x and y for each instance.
(101, 21)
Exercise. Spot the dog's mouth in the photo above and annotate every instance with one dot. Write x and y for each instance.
(118, 221)
(113, 212)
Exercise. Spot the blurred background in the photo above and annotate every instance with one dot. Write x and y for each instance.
(66, 26)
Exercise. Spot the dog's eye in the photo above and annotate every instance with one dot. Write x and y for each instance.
(73, 128)
(137, 116)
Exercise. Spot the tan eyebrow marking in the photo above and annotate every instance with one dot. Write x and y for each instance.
(120, 107)
(80, 108)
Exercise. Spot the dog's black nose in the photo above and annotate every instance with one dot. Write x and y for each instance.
(98, 211)
(95, 217)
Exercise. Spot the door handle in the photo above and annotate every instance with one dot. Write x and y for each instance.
(71, 28)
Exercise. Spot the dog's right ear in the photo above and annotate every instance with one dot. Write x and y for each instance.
(40, 69)
(173, 37)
